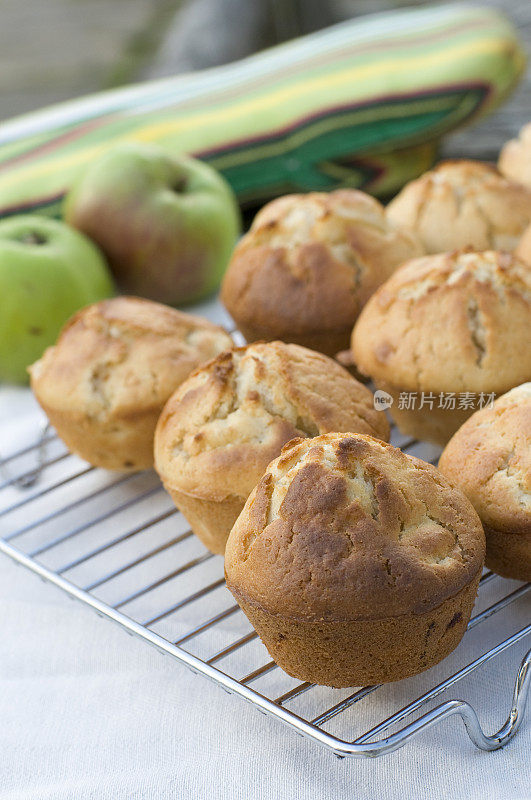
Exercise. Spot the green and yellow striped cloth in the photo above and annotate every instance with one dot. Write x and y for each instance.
(362, 104)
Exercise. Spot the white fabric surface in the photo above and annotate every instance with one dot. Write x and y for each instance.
(88, 713)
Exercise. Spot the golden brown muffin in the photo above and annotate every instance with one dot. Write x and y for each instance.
(463, 203)
(489, 458)
(105, 382)
(308, 265)
(454, 326)
(355, 563)
(223, 426)
(515, 158)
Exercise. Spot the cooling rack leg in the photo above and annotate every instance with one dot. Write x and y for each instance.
(469, 717)
(520, 697)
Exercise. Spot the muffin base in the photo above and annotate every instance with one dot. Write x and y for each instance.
(436, 425)
(328, 342)
(210, 520)
(122, 444)
(366, 651)
(509, 554)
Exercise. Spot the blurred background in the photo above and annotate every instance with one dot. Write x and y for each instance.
(53, 50)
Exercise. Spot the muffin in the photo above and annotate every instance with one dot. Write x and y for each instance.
(489, 459)
(523, 249)
(223, 426)
(308, 265)
(105, 382)
(461, 203)
(355, 563)
(443, 335)
(515, 158)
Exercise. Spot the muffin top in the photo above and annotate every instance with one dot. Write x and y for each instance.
(345, 527)
(122, 356)
(449, 323)
(461, 203)
(515, 158)
(223, 426)
(489, 458)
(310, 261)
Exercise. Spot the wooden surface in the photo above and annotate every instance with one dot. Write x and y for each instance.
(54, 50)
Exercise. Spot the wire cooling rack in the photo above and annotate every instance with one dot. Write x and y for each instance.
(116, 543)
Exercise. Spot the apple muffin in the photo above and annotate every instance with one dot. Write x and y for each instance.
(515, 158)
(463, 203)
(523, 250)
(222, 427)
(308, 264)
(489, 459)
(444, 335)
(115, 364)
(355, 563)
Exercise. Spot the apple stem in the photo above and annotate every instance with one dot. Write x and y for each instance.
(180, 186)
(32, 238)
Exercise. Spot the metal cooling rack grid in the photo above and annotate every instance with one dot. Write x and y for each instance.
(117, 544)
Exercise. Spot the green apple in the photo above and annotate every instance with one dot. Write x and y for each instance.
(166, 224)
(47, 271)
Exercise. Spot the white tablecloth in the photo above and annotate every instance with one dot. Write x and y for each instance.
(88, 713)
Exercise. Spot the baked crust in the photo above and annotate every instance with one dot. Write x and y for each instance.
(463, 203)
(308, 265)
(104, 383)
(515, 157)
(344, 527)
(523, 251)
(489, 458)
(509, 554)
(363, 652)
(453, 322)
(231, 417)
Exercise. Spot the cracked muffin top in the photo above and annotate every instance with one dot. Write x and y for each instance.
(123, 356)
(223, 426)
(489, 458)
(312, 260)
(346, 527)
(449, 323)
(515, 157)
(461, 203)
